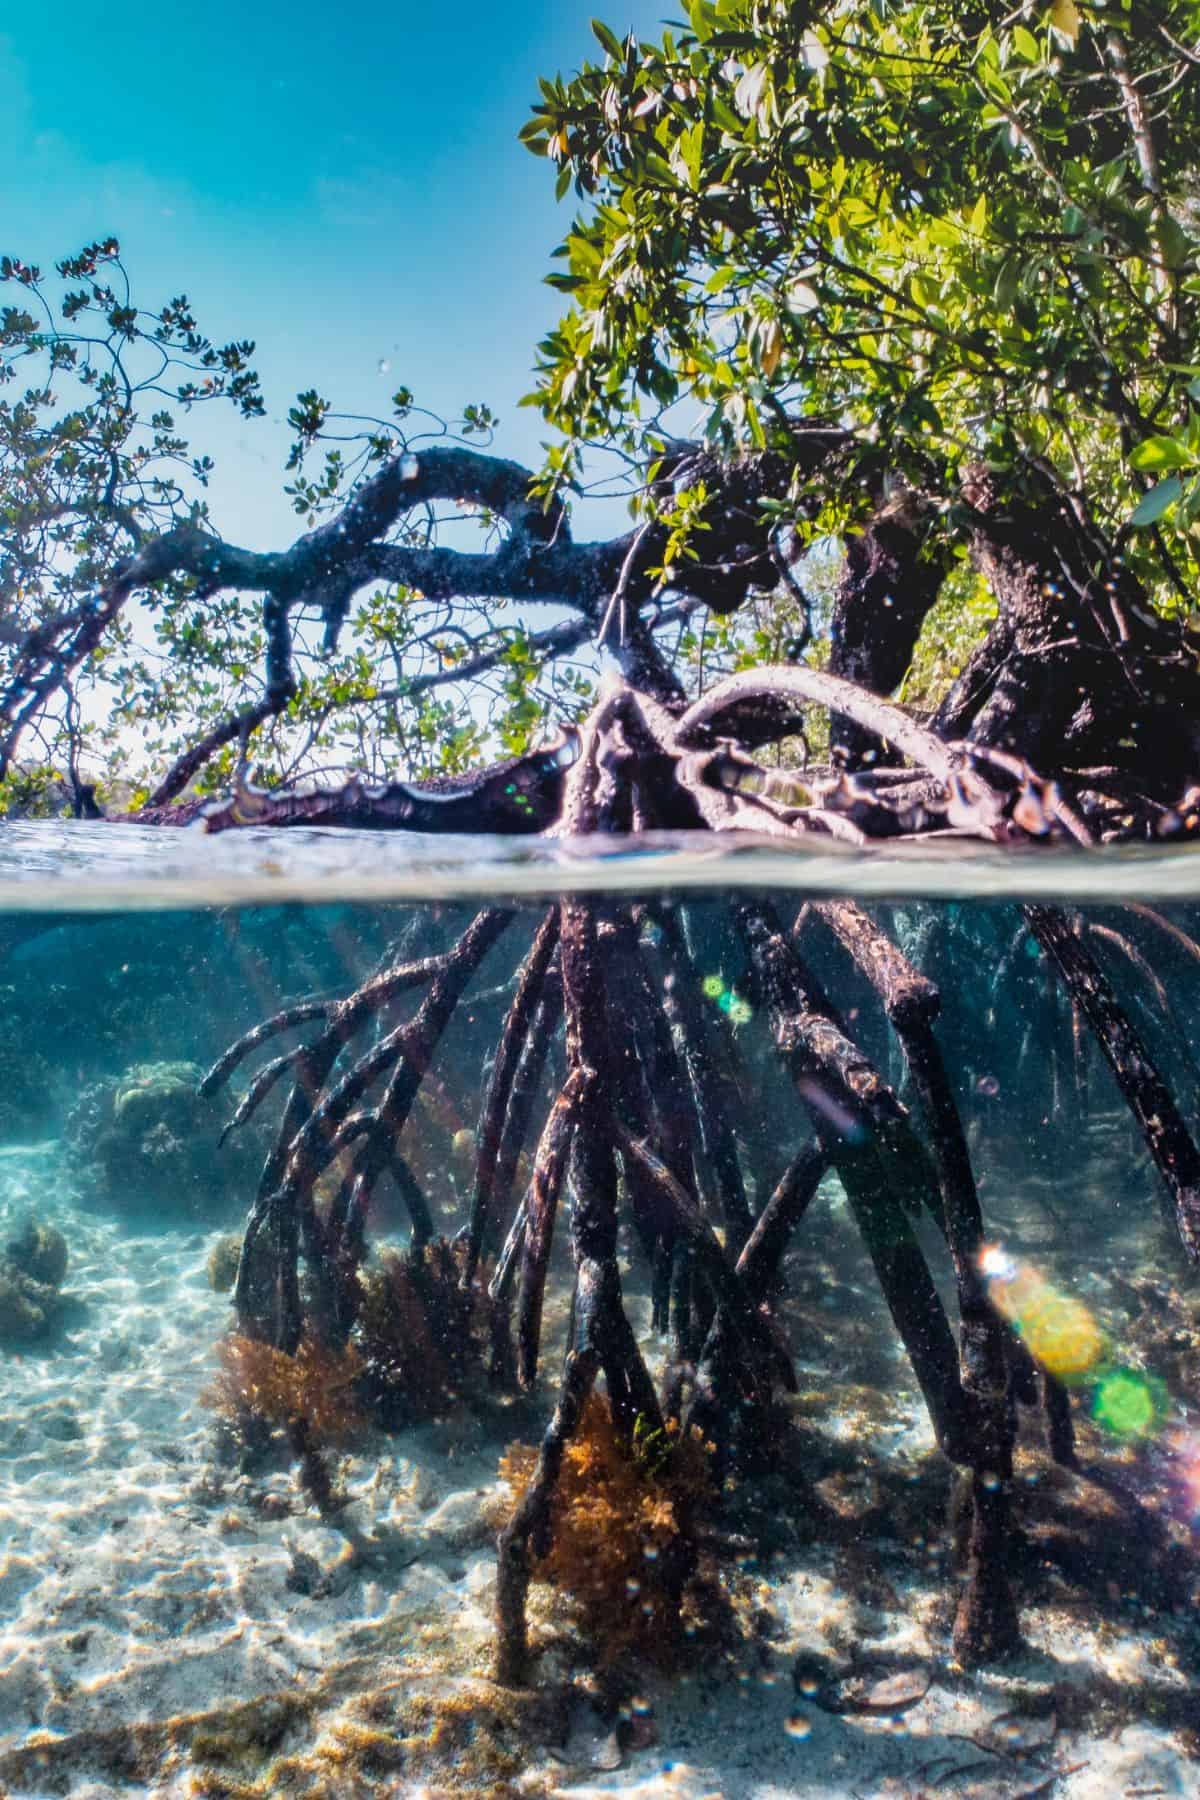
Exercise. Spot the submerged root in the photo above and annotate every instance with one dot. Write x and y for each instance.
(642, 1125)
(422, 1335)
(623, 1543)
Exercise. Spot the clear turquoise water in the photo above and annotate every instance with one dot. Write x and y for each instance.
(143, 1580)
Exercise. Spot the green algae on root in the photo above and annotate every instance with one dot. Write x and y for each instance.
(222, 1264)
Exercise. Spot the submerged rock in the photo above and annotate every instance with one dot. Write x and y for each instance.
(40, 1251)
(27, 1307)
(147, 1138)
(32, 1268)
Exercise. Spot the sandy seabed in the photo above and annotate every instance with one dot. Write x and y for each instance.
(170, 1627)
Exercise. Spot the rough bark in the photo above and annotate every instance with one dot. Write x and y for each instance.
(889, 581)
(1078, 672)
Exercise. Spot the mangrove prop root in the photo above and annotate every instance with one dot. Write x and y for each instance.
(286, 1020)
(521, 1018)
(530, 1523)
(911, 1003)
(713, 1103)
(758, 1265)
(406, 1051)
(1060, 1429)
(1146, 1093)
(848, 1102)
(986, 1626)
(540, 1210)
(648, 1117)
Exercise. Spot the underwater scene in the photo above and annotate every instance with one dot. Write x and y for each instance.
(646, 1325)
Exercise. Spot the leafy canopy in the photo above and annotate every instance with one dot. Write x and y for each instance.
(968, 232)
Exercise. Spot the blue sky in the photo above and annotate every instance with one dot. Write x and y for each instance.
(342, 184)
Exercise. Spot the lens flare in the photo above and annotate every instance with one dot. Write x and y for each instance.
(712, 987)
(1130, 1404)
(1058, 1329)
(1066, 1339)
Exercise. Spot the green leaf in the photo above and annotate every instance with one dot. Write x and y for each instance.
(1066, 19)
(1158, 501)
(1174, 243)
(1188, 510)
(1008, 279)
(691, 145)
(1155, 453)
(720, 278)
(702, 16)
(607, 39)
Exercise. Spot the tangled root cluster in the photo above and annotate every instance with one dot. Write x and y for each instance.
(623, 1539)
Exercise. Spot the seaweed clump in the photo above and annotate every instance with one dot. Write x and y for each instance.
(418, 1338)
(421, 1332)
(309, 1395)
(314, 1388)
(624, 1544)
(32, 1270)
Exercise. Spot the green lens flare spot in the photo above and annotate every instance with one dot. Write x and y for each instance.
(727, 1002)
(1129, 1404)
(741, 1012)
(712, 987)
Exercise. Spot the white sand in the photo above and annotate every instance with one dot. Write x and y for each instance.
(137, 1586)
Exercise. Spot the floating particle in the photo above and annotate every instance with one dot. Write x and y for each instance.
(987, 1084)
(797, 1726)
(1129, 1404)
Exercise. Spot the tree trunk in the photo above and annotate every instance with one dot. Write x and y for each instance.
(888, 583)
(1078, 672)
